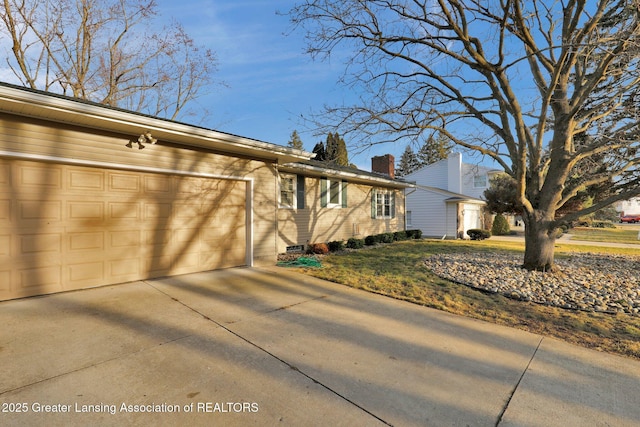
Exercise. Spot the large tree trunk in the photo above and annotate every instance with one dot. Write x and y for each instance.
(540, 239)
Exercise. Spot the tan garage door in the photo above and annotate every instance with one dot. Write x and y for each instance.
(69, 227)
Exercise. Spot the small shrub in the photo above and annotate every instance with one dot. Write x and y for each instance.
(602, 224)
(354, 243)
(414, 234)
(400, 236)
(336, 245)
(477, 234)
(386, 237)
(500, 226)
(371, 240)
(318, 248)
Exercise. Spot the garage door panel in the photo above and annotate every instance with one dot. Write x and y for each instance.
(213, 260)
(156, 239)
(218, 238)
(124, 182)
(85, 274)
(38, 280)
(70, 227)
(157, 212)
(188, 187)
(212, 234)
(86, 242)
(187, 214)
(90, 213)
(44, 176)
(6, 290)
(6, 218)
(35, 212)
(5, 246)
(124, 240)
(125, 269)
(127, 211)
(221, 259)
(85, 181)
(186, 262)
(39, 244)
(157, 184)
(186, 239)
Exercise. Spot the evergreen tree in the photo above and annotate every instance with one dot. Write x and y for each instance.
(295, 141)
(434, 150)
(342, 156)
(500, 226)
(321, 154)
(336, 150)
(331, 147)
(502, 195)
(408, 162)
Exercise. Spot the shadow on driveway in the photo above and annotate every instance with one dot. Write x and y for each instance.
(264, 346)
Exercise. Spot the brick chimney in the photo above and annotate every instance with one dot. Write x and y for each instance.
(384, 165)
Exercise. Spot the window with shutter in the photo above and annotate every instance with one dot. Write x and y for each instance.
(383, 204)
(287, 191)
(333, 193)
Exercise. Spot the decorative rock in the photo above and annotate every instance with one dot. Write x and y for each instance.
(591, 282)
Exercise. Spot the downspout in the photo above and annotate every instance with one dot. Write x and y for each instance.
(275, 206)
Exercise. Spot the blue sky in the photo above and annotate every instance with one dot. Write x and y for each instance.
(271, 81)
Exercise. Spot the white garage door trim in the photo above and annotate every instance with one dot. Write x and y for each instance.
(132, 168)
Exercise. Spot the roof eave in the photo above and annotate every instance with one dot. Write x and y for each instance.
(353, 176)
(60, 109)
(465, 200)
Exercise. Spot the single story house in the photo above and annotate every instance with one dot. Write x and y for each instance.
(92, 195)
(447, 200)
(320, 203)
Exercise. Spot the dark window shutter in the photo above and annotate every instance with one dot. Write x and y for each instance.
(300, 191)
(344, 194)
(323, 192)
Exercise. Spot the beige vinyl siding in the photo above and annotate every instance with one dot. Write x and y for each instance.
(30, 136)
(44, 138)
(65, 188)
(316, 224)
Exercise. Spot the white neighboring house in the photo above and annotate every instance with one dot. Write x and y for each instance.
(629, 207)
(447, 200)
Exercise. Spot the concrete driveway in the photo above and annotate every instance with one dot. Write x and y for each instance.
(268, 346)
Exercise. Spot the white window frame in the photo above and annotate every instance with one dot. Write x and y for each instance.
(284, 179)
(409, 219)
(480, 184)
(384, 204)
(331, 193)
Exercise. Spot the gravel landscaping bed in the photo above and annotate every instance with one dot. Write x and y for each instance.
(590, 282)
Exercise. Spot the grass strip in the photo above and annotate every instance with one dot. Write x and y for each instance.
(396, 270)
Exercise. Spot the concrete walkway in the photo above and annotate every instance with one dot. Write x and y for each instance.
(268, 346)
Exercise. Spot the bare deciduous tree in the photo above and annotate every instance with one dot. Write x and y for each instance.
(540, 86)
(107, 51)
